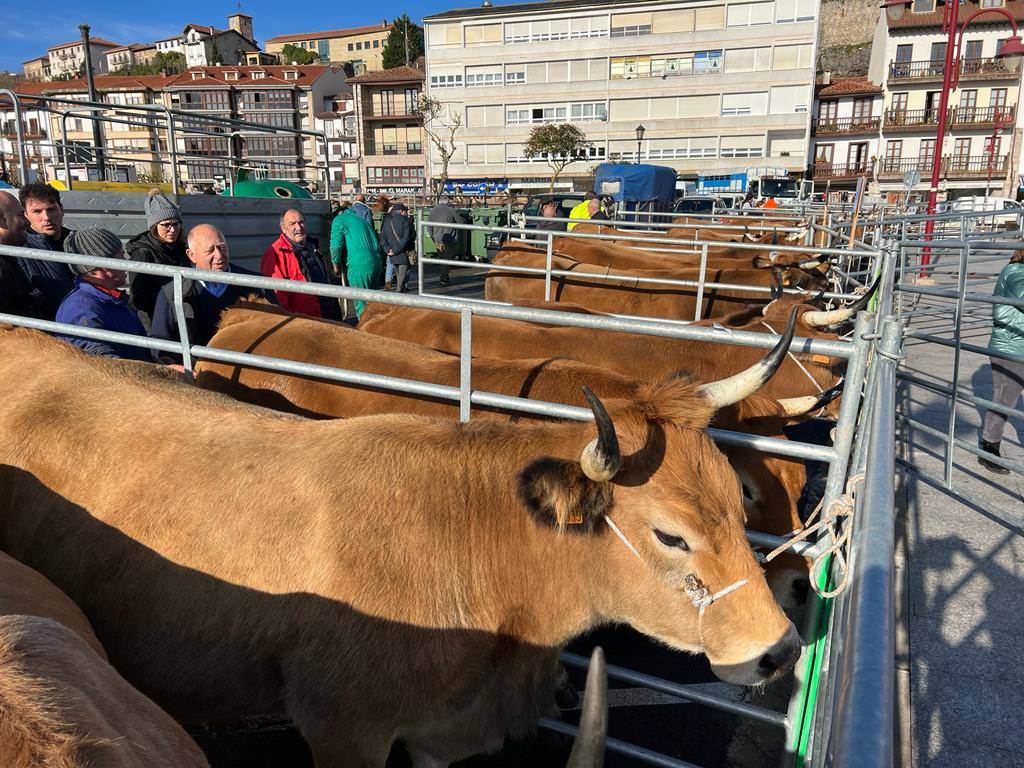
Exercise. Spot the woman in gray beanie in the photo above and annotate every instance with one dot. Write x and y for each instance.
(98, 299)
(163, 242)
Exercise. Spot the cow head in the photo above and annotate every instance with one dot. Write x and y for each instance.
(663, 513)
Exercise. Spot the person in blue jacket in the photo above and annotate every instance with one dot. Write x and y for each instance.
(1007, 375)
(99, 299)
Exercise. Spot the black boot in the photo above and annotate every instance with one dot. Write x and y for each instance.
(992, 448)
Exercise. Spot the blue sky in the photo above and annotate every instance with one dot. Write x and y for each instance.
(27, 30)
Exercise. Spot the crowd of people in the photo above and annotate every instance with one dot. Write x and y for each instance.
(140, 304)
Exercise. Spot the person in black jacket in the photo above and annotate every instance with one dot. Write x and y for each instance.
(50, 280)
(398, 241)
(162, 243)
(203, 301)
(16, 295)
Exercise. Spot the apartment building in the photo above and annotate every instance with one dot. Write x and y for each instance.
(717, 85)
(68, 59)
(362, 47)
(388, 132)
(36, 69)
(127, 55)
(174, 44)
(845, 131)
(205, 45)
(342, 158)
(134, 144)
(983, 140)
(287, 97)
(39, 150)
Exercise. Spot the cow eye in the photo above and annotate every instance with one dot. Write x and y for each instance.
(678, 542)
(746, 492)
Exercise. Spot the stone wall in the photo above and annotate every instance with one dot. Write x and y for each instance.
(847, 22)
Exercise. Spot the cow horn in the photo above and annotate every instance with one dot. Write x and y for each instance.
(745, 383)
(811, 263)
(841, 315)
(801, 406)
(816, 300)
(600, 459)
(776, 283)
(588, 750)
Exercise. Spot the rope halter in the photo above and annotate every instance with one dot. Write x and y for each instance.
(693, 587)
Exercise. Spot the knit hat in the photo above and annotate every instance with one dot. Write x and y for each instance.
(159, 207)
(94, 241)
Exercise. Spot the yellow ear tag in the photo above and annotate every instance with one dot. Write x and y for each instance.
(821, 359)
(575, 518)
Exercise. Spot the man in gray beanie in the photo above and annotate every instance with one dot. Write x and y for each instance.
(163, 242)
(99, 299)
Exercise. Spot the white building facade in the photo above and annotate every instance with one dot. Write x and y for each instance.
(845, 133)
(68, 59)
(717, 85)
(982, 147)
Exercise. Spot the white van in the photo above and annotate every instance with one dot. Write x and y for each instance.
(1005, 213)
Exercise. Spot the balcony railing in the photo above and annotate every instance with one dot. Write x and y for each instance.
(409, 148)
(827, 125)
(911, 118)
(840, 170)
(897, 166)
(978, 69)
(976, 166)
(982, 116)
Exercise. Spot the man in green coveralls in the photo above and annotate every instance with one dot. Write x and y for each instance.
(356, 254)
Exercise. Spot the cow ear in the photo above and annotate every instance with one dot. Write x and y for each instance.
(558, 494)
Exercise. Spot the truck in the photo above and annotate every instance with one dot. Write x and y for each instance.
(763, 181)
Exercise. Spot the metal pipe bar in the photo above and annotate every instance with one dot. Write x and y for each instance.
(952, 293)
(963, 444)
(961, 397)
(682, 691)
(621, 747)
(965, 346)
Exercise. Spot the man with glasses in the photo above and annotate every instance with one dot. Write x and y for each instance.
(162, 243)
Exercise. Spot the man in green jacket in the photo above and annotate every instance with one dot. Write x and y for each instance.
(356, 254)
(1007, 375)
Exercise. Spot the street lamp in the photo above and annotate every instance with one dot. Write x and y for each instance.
(1010, 52)
(640, 131)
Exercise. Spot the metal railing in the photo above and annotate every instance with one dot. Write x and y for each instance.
(826, 125)
(804, 739)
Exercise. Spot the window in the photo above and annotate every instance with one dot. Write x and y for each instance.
(588, 111)
(631, 24)
(997, 98)
(629, 67)
(749, 14)
(485, 154)
(588, 26)
(744, 104)
(707, 61)
(926, 153)
(517, 116)
(992, 145)
(748, 59)
(862, 109)
(938, 54)
(484, 76)
(789, 99)
(791, 11)
(992, 3)
(451, 80)
(793, 56)
(682, 148)
(968, 100)
(260, 100)
(477, 117)
(924, 6)
(351, 47)
(893, 152)
(962, 149)
(483, 34)
(823, 154)
(586, 69)
(258, 75)
(291, 74)
(673, 21)
(359, 46)
(972, 49)
(411, 98)
(828, 111)
(786, 146)
(515, 74)
(376, 43)
(904, 53)
(444, 35)
(742, 146)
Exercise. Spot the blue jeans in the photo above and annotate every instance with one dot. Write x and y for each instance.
(389, 272)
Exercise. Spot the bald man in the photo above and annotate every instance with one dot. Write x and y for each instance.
(204, 300)
(16, 296)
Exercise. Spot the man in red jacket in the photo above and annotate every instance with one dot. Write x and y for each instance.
(295, 256)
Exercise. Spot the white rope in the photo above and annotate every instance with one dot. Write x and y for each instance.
(796, 360)
(839, 508)
(692, 585)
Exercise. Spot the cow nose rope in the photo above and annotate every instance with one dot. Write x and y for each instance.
(692, 585)
(839, 508)
(796, 360)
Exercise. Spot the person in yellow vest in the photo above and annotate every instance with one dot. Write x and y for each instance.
(581, 211)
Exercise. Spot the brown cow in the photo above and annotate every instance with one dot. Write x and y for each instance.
(771, 484)
(61, 703)
(648, 358)
(625, 295)
(390, 577)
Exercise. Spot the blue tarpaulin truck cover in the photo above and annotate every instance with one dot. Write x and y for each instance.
(625, 183)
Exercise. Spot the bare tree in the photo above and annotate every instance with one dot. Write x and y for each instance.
(559, 145)
(440, 123)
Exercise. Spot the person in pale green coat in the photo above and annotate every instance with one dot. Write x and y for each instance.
(355, 253)
(1007, 375)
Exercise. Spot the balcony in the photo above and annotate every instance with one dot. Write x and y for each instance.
(976, 166)
(397, 113)
(933, 70)
(394, 149)
(896, 167)
(840, 170)
(982, 117)
(826, 126)
(911, 119)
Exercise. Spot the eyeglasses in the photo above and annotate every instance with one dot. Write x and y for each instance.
(169, 225)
